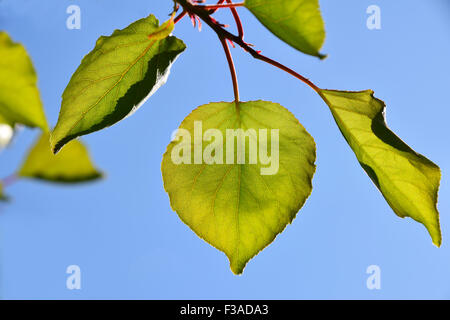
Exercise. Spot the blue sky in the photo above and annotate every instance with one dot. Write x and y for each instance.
(122, 232)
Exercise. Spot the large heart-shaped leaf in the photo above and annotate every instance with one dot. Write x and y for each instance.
(116, 78)
(228, 193)
(71, 165)
(408, 181)
(296, 22)
(19, 96)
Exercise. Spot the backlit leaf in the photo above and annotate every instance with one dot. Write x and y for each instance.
(239, 208)
(116, 78)
(19, 96)
(297, 22)
(72, 164)
(408, 181)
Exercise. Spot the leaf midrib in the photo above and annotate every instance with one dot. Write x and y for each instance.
(84, 113)
(392, 182)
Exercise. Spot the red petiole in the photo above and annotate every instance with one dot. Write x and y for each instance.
(229, 4)
(239, 26)
(232, 69)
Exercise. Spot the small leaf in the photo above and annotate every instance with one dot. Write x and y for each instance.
(116, 78)
(19, 96)
(408, 181)
(70, 165)
(297, 22)
(239, 207)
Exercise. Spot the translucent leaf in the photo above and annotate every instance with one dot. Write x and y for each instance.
(408, 181)
(72, 164)
(19, 96)
(297, 22)
(239, 201)
(116, 78)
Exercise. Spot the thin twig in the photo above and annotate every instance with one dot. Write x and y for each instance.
(204, 15)
(232, 69)
(220, 5)
(236, 17)
(214, 10)
(180, 16)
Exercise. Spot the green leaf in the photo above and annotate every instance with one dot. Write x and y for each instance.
(297, 22)
(239, 207)
(69, 166)
(408, 181)
(116, 78)
(19, 96)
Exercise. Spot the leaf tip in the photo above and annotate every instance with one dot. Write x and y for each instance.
(237, 267)
(322, 56)
(436, 237)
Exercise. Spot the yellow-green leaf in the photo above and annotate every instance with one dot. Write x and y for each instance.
(408, 181)
(20, 101)
(239, 206)
(297, 22)
(72, 164)
(116, 78)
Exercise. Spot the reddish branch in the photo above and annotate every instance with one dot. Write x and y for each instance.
(180, 16)
(224, 34)
(239, 26)
(229, 4)
(213, 8)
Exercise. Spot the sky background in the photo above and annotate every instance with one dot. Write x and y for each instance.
(121, 231)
